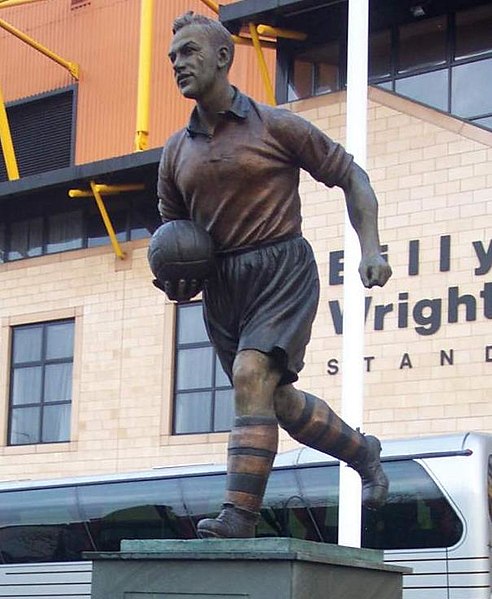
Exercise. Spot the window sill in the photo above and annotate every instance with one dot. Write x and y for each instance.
(39, 448)
(195, 438)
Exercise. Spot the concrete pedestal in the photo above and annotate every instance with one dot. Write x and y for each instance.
(266, 568)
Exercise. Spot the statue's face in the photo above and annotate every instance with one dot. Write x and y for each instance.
(195, 61)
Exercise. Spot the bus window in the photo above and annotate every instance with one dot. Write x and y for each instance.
(143, 509)
(320, 488)
(281, 496)
(416, 515)
(203, 495)
(41, 525)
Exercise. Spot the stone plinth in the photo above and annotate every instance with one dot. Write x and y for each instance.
(266, 568)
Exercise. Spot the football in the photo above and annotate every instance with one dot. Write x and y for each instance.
(180, 249)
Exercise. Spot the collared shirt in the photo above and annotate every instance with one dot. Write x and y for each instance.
(241, 183)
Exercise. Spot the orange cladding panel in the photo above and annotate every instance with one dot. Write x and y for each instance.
(102, 36)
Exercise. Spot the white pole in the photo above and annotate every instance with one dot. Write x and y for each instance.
(349, 518)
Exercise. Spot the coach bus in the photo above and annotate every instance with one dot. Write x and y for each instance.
(437, 519)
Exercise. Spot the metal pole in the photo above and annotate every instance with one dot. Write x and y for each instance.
(144, 72)
(72, 67)
(6, 143)
(349, 518)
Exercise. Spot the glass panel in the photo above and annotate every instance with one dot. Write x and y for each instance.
(56, 423)
(194, 368)
(27, 343)
(416, 515)
(192, 413)
(300, 81)
(26, 239)
(221, 378)
(26, 385)
(485, 122)
(327, 78)
(472, 89)
(41, 525)
(326, 60)
(281, 493)
(58, 382)
(386, 85)
(428, 88)
(224, 410)
(96, 231)
(141, 509)
(64, 232)
(203, 495)
(380, 54)
(144, 220)
(59, 342)
(24, 426)
(320, 492)
(191, 327)
(422, 44)
(473, 32)
(3, 248)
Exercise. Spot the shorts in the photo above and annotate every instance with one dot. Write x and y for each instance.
(265, 299)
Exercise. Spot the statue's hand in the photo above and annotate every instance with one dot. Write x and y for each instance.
(180, 290)
(374, 270)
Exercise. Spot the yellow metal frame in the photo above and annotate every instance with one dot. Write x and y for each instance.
(96, 192)
(72, 67)
(265, 75)
(144, 73)
(212, 5)
(7, 3)
(6, 143)
(278, 32)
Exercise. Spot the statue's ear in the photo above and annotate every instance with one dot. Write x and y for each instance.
(223, 57)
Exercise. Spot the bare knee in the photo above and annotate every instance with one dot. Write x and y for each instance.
(255, 379)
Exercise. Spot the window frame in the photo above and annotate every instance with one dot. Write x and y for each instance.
(288, 53)
(43, 362)
(212, 389)
(45, 209)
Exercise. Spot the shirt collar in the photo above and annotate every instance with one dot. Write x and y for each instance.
(239, 109)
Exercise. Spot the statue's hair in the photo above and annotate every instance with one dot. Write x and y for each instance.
(216, 32)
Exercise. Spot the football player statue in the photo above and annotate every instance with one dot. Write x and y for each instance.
(234, 170)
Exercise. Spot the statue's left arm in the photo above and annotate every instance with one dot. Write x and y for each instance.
(362, 207)
(329, 163)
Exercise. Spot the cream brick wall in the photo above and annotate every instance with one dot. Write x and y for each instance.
(433, 178)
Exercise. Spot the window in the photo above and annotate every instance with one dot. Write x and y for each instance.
(444, 62)
(42, 225)
(41, 383)
(203, 400)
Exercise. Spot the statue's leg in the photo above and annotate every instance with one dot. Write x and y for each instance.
(252, 448)
(312, 422)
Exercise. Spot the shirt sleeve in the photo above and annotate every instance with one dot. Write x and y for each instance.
(170, 202)
(312, 150)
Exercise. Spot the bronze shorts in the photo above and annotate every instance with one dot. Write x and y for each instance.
(264, 299)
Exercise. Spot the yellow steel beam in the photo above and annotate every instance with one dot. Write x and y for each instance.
(262, 64)
(278, 32)
(105, 189)
(247, 41)
(6, 143)
(70, 66)
(144, 72)
(7, 3)
(212, 5)
(107, 222)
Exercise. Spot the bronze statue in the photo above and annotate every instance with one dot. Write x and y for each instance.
(235, 171)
